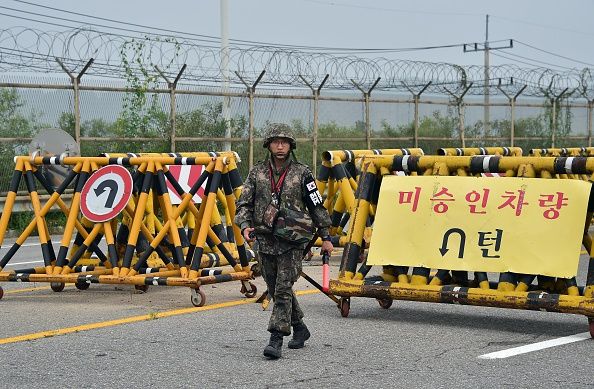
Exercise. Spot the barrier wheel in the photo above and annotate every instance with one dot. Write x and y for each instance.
(591, 326)
(345, 306)
(57, 286)
(80, 285)
(198, 298)
(250, 293)
(1, 293)
(142, 288)
(385, 303)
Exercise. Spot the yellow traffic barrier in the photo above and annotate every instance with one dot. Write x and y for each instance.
(106, 193)
(566, 152)
(337, 177)
(563, 152)
(401, 280)
(470, 151)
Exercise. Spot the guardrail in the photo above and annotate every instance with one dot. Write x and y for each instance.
(22, 202)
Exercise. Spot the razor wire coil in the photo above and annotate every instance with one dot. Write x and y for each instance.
(120, 56)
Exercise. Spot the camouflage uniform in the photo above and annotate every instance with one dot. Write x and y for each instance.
(280, 259)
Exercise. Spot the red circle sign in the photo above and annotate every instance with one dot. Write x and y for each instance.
(106, 193)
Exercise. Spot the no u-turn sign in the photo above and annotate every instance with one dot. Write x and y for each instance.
(106, 193)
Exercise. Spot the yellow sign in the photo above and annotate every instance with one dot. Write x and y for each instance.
(520, 225)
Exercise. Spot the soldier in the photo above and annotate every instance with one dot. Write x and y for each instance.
(279, 206)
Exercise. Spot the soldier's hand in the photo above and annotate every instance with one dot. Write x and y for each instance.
(327, 246)
(248, 234)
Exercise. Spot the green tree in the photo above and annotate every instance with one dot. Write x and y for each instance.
(96, 128)
(67, 122)
(142, 115)
(13, 124)
(207, 122)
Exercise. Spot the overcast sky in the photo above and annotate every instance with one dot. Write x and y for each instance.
(562, 28)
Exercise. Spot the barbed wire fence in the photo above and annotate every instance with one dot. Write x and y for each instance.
(93, 75)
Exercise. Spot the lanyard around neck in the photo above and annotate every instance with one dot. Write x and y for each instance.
(278, 185)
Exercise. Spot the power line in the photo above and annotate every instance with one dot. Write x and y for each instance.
(84, 26)
(532, 64)
(397, 50)
(335, 4)
(37, 21)
(538, 61)
(555, 55)
(214, 39)
(71, 20)
(548, 27)
(512, 59)
(151, 28)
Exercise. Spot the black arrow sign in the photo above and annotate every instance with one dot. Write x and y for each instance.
(444, 244)
(113, 189)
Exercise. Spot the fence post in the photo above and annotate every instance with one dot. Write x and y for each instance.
(512, 104)
(554, 100)
(553, 122)
(251, 89)
(172, 86)
(590, 102)
(460, 104)
(316, 96)
(75, 80)
(366, 95)
(416, 97)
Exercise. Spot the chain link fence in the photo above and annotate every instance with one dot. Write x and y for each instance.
(107, 115)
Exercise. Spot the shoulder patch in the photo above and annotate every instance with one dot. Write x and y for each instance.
(312, 196)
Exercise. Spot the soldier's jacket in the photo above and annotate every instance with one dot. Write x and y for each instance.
(298, 194)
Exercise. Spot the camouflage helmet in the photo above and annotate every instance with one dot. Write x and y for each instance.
(279, 130)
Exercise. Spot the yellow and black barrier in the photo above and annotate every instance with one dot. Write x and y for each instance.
(337, 177)
(419, 283)
(566, 152)
(563, 152)
(470, 151)
(341, 167)
(183, 258)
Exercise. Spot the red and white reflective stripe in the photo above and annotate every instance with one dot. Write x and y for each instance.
(186, 176)
(492, 174)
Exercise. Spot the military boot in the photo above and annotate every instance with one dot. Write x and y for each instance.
(274, 348)
(300, 335)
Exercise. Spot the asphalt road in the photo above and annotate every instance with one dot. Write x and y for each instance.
(113, 336)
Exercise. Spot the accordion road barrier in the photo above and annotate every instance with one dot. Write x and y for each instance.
(511, 218)
(337, 177)
(122, 201)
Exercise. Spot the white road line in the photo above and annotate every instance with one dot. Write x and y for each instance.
(536, 346)
(5, 245)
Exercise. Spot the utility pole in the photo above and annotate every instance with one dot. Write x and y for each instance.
(474, 47)
(226, 109)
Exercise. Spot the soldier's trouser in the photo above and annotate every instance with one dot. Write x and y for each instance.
(280, 273)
